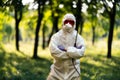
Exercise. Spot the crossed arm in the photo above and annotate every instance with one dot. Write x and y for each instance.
(59, 52)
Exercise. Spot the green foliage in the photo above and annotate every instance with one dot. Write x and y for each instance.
(104, 23)
(1, 3)
(7, 29)
(118, 34)
(5, 26)
(28, 24)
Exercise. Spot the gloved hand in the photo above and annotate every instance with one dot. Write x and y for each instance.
(72, 52)
(71, 49)
(79, 47)
(61, 47)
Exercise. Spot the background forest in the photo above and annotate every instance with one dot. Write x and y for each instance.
(26, 27)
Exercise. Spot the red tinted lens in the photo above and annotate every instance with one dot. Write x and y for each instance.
(69, 21)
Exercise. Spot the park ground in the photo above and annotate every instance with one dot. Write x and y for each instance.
(95, 65)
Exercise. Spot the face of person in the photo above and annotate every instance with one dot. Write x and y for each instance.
(68, 23)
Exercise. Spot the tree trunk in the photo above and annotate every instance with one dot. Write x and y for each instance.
(81, 24)
(17, 34)
(93, 37)
(78, 14)
(111, 29)
(43, 39)
(50, 36)
(18, 17)
(54, 29)
(40, 16)
(56, 23)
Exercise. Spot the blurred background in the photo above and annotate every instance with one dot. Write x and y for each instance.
(26, 27)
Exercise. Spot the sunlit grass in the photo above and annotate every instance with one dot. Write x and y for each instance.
(20, 66)
(27, 49)
(94, 65)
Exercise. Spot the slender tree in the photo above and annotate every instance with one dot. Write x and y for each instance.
(18, 17)
(111, 12)
(55, 17)
(44, 29)
(79, 18)
(92, 11)
(17, 7)
(40, 10)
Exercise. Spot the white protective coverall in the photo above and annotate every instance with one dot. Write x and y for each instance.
(63, 68)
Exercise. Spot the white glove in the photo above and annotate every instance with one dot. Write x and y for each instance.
(71, 49)
(73, 52)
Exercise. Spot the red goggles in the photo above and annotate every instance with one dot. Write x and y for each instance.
(69, 21)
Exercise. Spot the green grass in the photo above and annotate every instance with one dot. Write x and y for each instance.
(94, 65)
(16, 66)
(99, 68)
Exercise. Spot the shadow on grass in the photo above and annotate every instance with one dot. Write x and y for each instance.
(15, 67)
(103, 69)
(93, 67)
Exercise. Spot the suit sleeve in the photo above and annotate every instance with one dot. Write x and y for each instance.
(55, 51)
(78, 51)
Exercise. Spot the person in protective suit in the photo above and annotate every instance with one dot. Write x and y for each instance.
(66, 47)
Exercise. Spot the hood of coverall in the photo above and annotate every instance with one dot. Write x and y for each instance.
(68, 27)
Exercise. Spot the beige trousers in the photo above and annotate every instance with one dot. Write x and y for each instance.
(54, 78)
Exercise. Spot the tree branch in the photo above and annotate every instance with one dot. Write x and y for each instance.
(105, 5)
